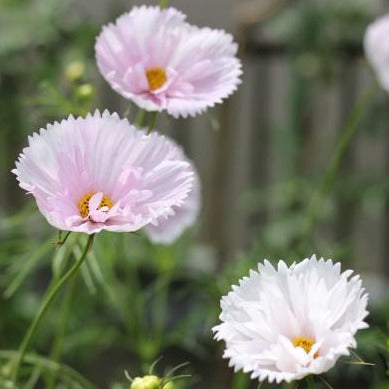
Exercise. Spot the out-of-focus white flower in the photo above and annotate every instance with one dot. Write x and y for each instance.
(376, 43)
(167, 229)
(287, 323)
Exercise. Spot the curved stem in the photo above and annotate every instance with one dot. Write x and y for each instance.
(64, 321)
(163, 3)
(50, 365)
(330, 174)
(52, 292)
(61, 241)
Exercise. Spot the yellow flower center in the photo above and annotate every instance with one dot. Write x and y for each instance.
(156, 78)
(83, 204)
(304, 343)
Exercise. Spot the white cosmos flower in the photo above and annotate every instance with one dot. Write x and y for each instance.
(287, 323)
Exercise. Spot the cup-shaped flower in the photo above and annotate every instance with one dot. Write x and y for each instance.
(167, 229)
(376, 43)
(101, 173)
(153, 57)
(286, 323)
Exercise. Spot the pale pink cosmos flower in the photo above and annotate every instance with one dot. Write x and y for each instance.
(153, 57)
(168, 228)
(285, 323)
(376, 43)
(101, 173)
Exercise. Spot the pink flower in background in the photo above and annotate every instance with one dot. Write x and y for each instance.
(285, 323)
(101, 173)
(169, 228)
(153, 57)
(376, 44)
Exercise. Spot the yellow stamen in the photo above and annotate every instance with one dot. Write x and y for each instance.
(83, 204)
(156, 78)
(304, 343)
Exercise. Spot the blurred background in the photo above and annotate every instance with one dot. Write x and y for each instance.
(261, 157)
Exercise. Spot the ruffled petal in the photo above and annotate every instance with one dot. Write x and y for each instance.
(200, 64)
(100, 172)
(268, 311)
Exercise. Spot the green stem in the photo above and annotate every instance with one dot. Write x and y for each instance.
(51, 294)
(330, 174)
(310, 382)
(153, 119)
(64, 320)
(160, 307)
(163, 3)
(44, 363)
(140, 118)
(34, 377)
(62, 241)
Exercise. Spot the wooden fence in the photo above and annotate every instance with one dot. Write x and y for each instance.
(277, 127)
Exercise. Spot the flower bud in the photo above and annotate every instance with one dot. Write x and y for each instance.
(146, 382)
(8, 385)
(74, 71)
(84, 91)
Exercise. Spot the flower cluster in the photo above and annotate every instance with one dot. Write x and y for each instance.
(102, 173)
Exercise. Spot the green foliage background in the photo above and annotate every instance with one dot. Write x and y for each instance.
(133, 301)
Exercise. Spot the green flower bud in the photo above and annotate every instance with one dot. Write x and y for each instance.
(7, 385)
(84, 91)
(74, 71)
(5, 370)
(146, 382)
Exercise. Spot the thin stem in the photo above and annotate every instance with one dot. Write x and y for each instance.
(64, 320)
(62, 241)
(47, 364)
(159, 311)
(140, 118)
(51, 294)
(325, 383)
(310, 382)
(330, 174)
(153, 119)
(35, 375)
(163, 3)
